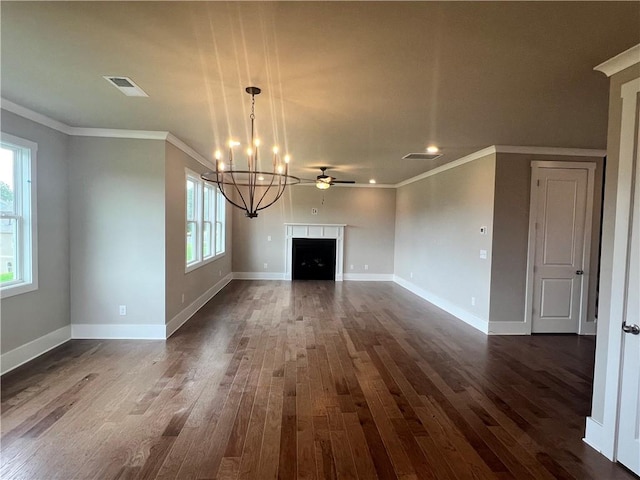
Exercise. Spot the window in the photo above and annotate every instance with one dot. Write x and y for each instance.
(205, 221)
(18, 259)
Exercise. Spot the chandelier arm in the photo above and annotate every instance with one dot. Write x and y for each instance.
(221, 188)
(244, 202)
(265, 193)
(281, 189)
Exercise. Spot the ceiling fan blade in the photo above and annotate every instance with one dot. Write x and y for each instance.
(344, 181)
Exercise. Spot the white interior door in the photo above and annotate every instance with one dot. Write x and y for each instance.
(629, 416)
(562, 239)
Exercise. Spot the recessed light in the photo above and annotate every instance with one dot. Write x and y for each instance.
(372, 181)
(432, 149)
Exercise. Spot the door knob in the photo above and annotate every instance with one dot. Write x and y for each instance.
(632, 329)
(579, 272)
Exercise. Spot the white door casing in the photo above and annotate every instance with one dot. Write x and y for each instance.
(559, 246)
(628, 452)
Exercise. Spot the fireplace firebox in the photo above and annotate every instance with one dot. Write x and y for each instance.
(314, 258)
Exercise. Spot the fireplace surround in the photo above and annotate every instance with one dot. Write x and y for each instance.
(319, 231)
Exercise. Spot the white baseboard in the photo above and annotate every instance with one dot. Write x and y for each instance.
(369, 277)
(258, 276)
(181, 318)
(467, 317)
(107, 331)
(508, 328)
(21, 355)
(593, 435)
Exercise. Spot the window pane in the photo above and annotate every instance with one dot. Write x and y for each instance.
(220, 222)
(219, 238)
(207, 203)
(191, 200)
(7, 190)
(207, 249)
(192, 241)
(8, 251)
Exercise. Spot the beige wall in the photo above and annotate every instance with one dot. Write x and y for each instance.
(438, 239)
(609, 212)
(198, 281)
(511, 234)
(116, 197)
(368, 212)
(31, 315)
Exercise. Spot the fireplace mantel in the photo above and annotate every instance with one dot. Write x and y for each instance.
(315, 230)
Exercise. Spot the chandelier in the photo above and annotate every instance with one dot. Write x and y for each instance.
(251, 189)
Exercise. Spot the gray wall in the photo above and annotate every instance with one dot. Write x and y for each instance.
(511, 234)
(438, 220)
(31, 315)
(368, 212)
(117, 234)
(609, 212)
(198, 281)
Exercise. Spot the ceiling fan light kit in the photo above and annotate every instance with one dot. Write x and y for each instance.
(254, 190)
(324, 181)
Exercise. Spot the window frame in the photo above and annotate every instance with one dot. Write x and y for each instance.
(214, 198)
(25, 214)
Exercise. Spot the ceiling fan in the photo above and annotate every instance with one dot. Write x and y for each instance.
(324, 181)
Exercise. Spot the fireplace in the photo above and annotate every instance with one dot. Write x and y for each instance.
(315, 231)
(314, 259)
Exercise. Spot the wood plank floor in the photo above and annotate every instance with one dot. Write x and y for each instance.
(306, 380)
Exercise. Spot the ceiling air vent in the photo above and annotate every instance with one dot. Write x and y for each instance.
(421, 156)
(126, 86)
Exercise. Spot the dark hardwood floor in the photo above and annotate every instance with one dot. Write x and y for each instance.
(306, 380)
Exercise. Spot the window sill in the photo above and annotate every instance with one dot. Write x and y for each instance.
(194, 266)
(17, 289)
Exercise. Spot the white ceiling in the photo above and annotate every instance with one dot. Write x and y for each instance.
(355, 85)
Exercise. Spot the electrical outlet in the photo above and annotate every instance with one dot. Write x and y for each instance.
(411, 275)
(483, 254)
(314, 211)
(473, 301)
(366, 267)
(268, 238)
(351, 267)
(122, 309)
(265, 266)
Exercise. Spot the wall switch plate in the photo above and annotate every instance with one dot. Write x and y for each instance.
(314, 211)
(483, 254)
(265, 266)
(268, 238)
(366, 267)
(411, 275)
(122, 310)
(473, 301)
(351, 267)
(483, 230)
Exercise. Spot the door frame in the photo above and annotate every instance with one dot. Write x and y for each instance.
(584, 327)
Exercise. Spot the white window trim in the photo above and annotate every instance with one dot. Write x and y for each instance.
(201, 262)
(29, 264)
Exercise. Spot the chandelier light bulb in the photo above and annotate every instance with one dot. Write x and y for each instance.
(287, 158)
(280, 169)
(221, 165)
(275, 150)
(218, 155)
(249, 151)
(256, 142)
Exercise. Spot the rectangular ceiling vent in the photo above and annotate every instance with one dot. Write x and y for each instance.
(126, 86)
(421, 156)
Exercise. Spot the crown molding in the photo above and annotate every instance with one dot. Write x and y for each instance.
(621, 61)
(448, 166)
(559, 151)
(103, 132)
(35, 116)
(493, 149)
